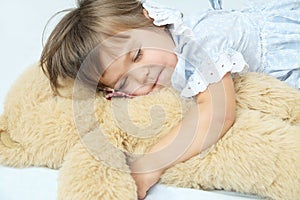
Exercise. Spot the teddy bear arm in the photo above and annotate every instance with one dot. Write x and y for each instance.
(84, 177)
(265, 93)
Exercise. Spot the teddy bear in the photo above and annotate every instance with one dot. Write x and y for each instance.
(90, 139)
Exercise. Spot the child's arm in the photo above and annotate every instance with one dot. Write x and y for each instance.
(200, 128)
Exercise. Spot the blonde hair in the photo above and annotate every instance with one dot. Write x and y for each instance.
(81, 29)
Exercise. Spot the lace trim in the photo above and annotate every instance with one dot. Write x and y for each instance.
(228, 62)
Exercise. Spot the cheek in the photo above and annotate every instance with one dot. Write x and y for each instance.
(160, 57)
(165, 77)
(168, 59)
(173, 60)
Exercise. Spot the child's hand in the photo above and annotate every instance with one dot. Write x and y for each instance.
(145, 181)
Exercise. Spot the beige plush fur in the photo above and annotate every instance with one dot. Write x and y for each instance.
(260, 154)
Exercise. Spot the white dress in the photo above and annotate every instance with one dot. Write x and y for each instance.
(263, 38)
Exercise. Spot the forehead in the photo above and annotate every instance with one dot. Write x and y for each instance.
(123, 43)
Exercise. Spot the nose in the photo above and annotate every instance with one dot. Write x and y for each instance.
(141, 75)
(141, 83)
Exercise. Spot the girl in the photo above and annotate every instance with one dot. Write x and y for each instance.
(131, 48)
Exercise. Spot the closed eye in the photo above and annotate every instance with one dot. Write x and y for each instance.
(138, 55)
(122, 85)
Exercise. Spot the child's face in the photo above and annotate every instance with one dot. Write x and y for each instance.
(146, 67)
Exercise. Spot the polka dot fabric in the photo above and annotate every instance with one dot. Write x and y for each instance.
(279, 29)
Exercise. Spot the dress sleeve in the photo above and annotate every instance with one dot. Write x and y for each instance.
(206, 49)
(212, 45)
(197, 67)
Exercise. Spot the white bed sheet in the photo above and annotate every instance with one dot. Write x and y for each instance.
(21, 26)
(40, 183)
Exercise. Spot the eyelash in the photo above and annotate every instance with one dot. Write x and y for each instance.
(123, 83)
(138, 55)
